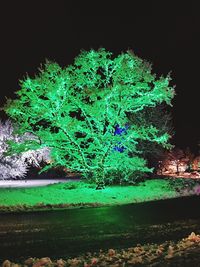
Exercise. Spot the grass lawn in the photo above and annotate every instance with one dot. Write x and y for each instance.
(79, 194)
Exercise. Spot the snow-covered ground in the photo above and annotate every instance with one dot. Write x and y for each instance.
(30, 183)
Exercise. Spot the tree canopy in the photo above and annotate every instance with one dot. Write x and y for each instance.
(17, 165)
(84, 113)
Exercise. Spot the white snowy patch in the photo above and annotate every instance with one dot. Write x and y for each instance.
(29, 183)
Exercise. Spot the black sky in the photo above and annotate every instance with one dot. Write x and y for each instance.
(167, 36)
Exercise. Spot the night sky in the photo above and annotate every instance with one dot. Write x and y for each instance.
(166, 36)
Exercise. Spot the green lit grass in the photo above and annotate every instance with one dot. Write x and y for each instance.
(84, 194)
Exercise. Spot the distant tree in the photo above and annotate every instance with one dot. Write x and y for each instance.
(160, 118)
(16, 165)
(82, 112)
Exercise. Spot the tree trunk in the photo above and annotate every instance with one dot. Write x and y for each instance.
(100, 179)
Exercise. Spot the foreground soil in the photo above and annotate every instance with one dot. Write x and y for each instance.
(186, 252)
(80, 194)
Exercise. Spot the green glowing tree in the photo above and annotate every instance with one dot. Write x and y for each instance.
(84, 113)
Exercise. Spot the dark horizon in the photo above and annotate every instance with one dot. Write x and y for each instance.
(32, 33)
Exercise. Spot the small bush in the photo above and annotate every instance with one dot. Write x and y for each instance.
(70, 186)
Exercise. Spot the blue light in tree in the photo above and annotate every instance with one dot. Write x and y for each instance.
(119, 131)
(119, 148)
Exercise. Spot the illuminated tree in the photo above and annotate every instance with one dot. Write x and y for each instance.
(17, 164)
(82, 112)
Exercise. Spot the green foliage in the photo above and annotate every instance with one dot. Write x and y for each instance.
(75, 112)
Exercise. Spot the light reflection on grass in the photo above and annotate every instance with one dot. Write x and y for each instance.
(80, 192)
